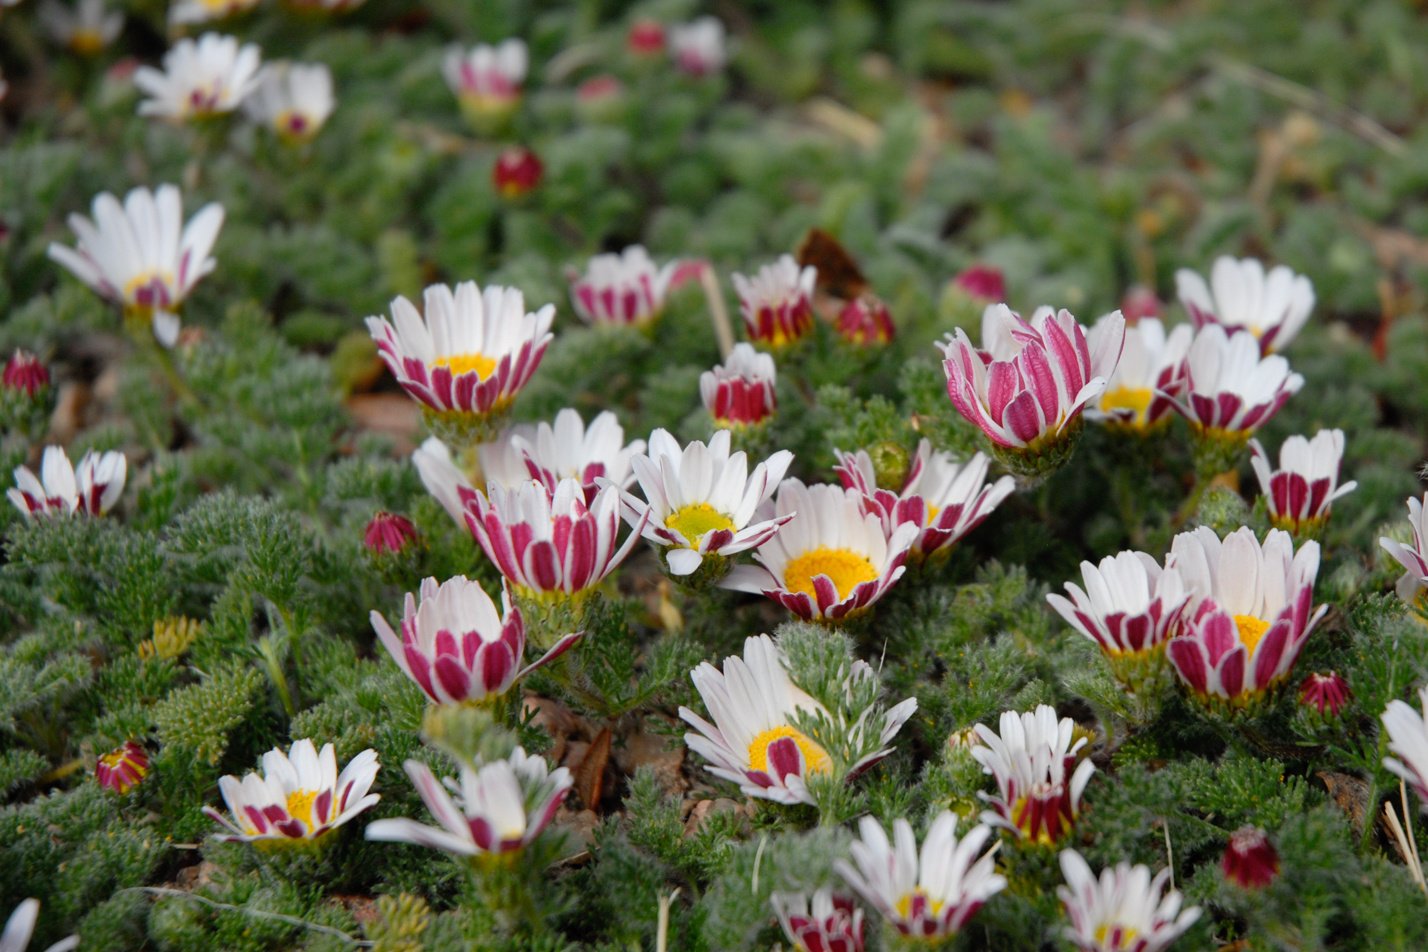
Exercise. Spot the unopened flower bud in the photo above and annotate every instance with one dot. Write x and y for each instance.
(1325, 693)
(25, 374)
(517, 171)
(865, 322)
(983, 282)
(1251, 861)
(388, 533)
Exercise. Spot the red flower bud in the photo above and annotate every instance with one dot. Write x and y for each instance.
(865, 322)
(1140, 302)
(1251, 861)
(599, 89)
(24, 373)
(1326, 693)
(646, 38)
(983, 281)
(388, 532)
(517, 171)
(123, 768)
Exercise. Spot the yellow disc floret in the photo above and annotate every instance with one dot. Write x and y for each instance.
(1135, 399)
(300, 807)
(460, 364)
(694, 520)
(1251, 630)
(845, 568)
(815, 758)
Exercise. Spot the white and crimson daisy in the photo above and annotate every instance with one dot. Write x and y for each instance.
(824, 922)
(456, 647)
(1033, 758)
(777, 302)
(740, 392)
(1151, 371)
(623, 289)
(1272, 307)
(292, 99)
(698, 47)
(200, 79)
(752, 741)
(1026, 386)
(90, 489)
(1230, 389)
(85, 28)
(930, 894)
(548, 543)
(204, 11)
(1130, 606)
(831, 560)
(1408, 738)
(943, 498)
(567, 450)
(702, 499)
(1250, 613)
(498, 808)
(142, 255)
(470, 355)
(1413, 558)
(487, 79)
(1124, 911)
(300, 797)
(1299, 494)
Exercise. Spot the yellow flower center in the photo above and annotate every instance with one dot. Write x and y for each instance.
(904, 905)
(695, 520)
(845, 568)
(293, 126)
(1135, 399)
(465, 363)
(300, 807)
(1251, 630)
(1127, 938)
(815, 758)
(86, 42)
(1022, 816)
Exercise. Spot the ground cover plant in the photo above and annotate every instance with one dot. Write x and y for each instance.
(820, 476)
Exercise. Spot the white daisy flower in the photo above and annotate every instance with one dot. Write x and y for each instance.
(1231, 390)
(292, 99)
(943, 498)
(1299, 494)
(823, 922)
(740, 392)
(622, 290)
(141, 254)
(487, 79)
(753, 742)
(777, 302)
(571, 450)
(1413, 558)
(1408, 738)
(1124, 911)
(702, 499)
(929, 894)
(200, 79)
(300, 796)
(698, 47)
(1039, 782)
(1151, 372)
(21, 925)
(204, 11)
(1273, 307)
(501, 807)
(85, 27)
(91, 489)
(1130, 606)
(829, 562)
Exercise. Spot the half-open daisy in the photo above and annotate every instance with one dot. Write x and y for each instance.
(826, 921)
(1033, 758)
(777, 302)
(487, 79)
(90, 489)
(200, 79)
(702, 499)
(292, 99)
(1413, 557)
(1273, 307)
(1151, 371)
(621, 290)
(570, 450)
(1407, 731)
(1299, 494)
(832, 560)
(299, 797)
(1231, 390)
(1124, 911)
(740, 392)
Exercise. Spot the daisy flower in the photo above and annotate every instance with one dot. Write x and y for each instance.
(831, 560)
(123, 768)
(571, 450)
(487, 79)
(1408, 738)
(85, 28)
(702, 499)
(498, 808)
(777, 303)
(753, 742)
(1027, 385)
(740, 392)
(91, 489)
(1151, 371)
(200, 79)
(928, 895)
(1250, 613)
(1033, 758)
(943, 498)
(1273, 307)
(292, 99)
(698, 47)
(299, 798)
(141, 254)
(1414, 558)
(1299, 494)
(1230, 389)
(456, 647)
(204, 11)
(1124, 911)
(622, 290)
(468, 357)
(824, 922)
